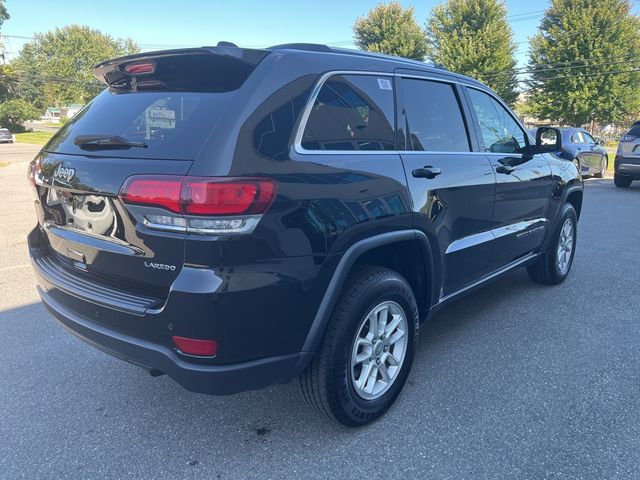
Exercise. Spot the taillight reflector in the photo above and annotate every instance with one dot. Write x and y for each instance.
(200, 195)
(196, 346)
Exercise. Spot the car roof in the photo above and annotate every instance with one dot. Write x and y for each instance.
(343, 58)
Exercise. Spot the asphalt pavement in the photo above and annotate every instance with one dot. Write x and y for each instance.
(515, 381)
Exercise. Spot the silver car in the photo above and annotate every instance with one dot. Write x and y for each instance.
(5, 136)
(627, 163)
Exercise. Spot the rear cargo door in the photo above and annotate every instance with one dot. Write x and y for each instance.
(153, 119)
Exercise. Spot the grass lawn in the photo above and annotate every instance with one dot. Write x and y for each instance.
(37, 138)
(612, 155)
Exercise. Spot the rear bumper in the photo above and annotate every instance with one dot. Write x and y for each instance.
(255, 349)
(210, 379)
(628, 167)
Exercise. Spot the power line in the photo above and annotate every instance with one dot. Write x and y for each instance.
(563, 77)
(548, 68)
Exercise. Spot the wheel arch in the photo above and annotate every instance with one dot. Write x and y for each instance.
(394, 250)
(574, 196)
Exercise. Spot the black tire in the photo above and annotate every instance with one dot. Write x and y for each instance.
(546, 270)
(603, 172)
(326, 383)
(622, 182)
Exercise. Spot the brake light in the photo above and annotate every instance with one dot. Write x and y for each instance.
(200, 196)
(196, 346)
(140, 68)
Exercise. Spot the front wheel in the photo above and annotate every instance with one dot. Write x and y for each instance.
(367, 351)
(621, 182)
(554, 265)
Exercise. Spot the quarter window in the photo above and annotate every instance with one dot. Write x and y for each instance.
(434, 120)
(500, 132)
(577, 138)
(352, 112)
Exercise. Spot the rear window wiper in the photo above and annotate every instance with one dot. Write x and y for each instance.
(106, 141)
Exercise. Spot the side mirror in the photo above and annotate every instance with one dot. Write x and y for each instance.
(548, 139)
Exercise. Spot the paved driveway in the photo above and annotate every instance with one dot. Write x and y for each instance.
(515, 381)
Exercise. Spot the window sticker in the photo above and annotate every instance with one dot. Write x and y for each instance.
(384, 84)
(161, 118)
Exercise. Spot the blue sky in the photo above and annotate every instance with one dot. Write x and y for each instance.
(157, 24)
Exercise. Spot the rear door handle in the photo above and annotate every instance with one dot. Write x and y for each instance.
(504, 169)
(426, 172)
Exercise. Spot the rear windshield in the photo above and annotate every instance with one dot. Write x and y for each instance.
(173, 125)
(634, 130)
(171, 109)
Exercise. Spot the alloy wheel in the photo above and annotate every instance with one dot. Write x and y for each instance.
(379, 350)
(565, 246)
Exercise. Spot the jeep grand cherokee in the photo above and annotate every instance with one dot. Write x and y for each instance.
(236, 218)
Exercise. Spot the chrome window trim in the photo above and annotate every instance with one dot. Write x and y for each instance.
(297, 144)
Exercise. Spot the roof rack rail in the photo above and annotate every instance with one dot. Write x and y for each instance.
(312, 47)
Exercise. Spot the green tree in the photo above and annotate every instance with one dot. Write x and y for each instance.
(56, 67)
(392, 29)
(8, 82)
(473, 37)
(4, 16)
(13, 113)
(579, 45)
(4, 13)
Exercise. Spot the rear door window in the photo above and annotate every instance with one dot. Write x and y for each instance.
(434, 120)
(352, 112)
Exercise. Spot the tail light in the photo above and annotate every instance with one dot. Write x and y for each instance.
(203, 204)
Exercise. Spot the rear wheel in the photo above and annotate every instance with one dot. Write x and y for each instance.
(621, 182)
(554, 265)
(367, 351)
(603, 168)
(576, 162)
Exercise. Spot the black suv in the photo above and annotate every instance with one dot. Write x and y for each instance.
(236, 218)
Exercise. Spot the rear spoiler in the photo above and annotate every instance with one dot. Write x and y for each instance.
(122, 70)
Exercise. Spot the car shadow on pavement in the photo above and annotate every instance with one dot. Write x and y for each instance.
(73, 375)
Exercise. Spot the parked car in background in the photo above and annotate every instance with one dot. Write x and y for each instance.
(627, 162)
(5, 136)
(581, 148)
(237, 217)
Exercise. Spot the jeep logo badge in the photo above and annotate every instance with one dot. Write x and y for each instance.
(64, 173)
